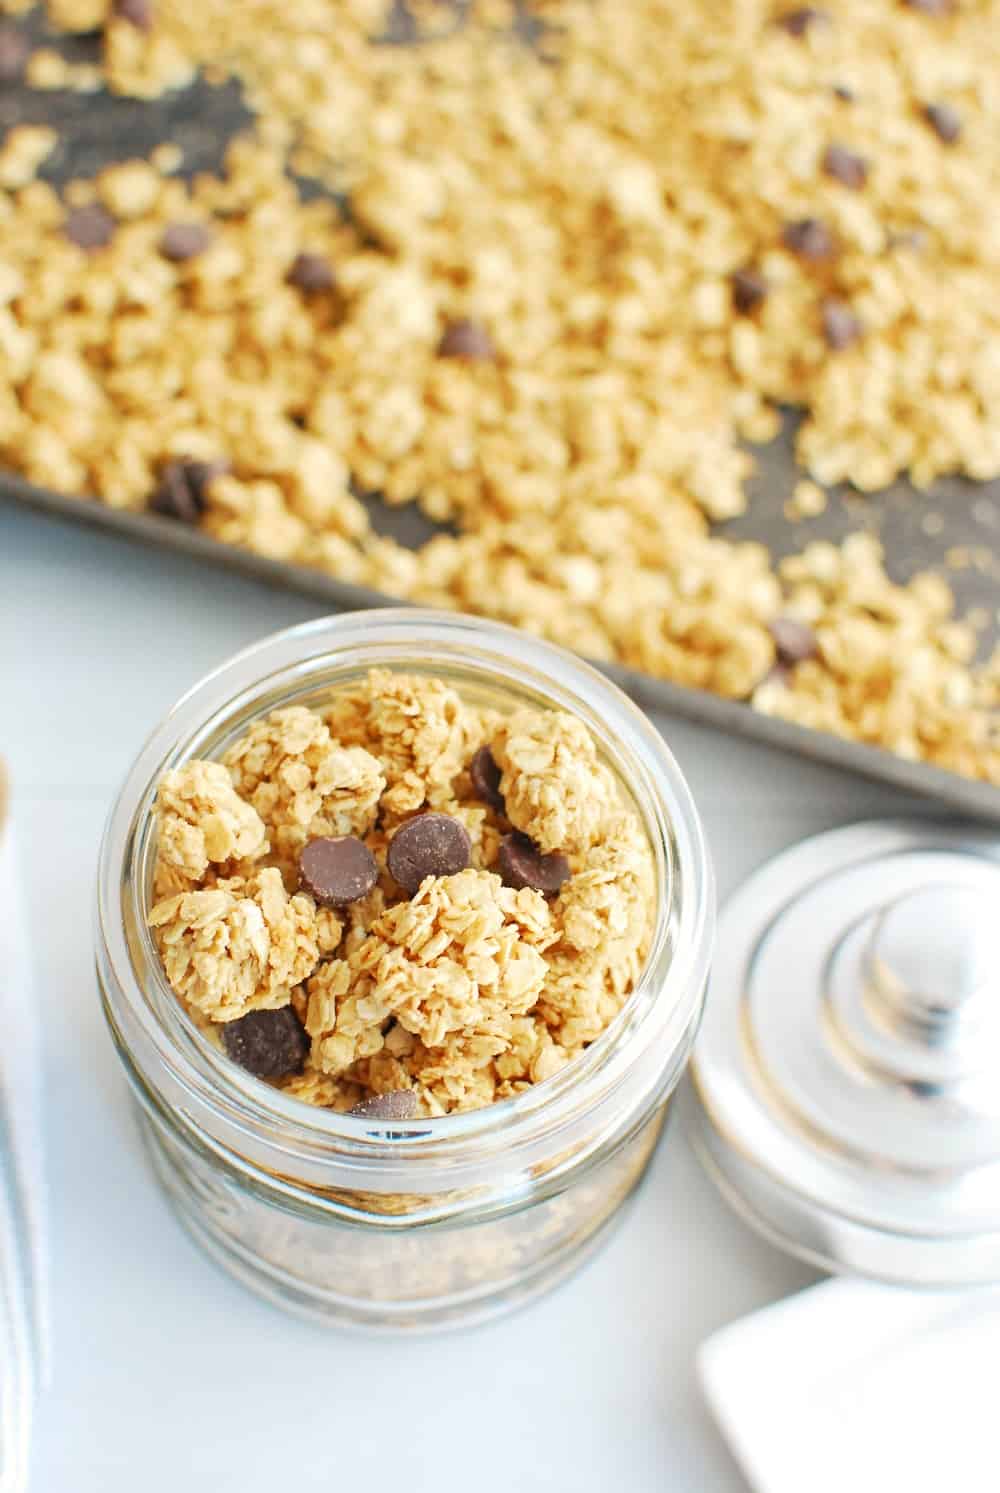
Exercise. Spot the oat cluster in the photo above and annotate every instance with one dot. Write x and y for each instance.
(463, 992)
(576, 273)
(202, 822)
(238, 945)
(301, 782)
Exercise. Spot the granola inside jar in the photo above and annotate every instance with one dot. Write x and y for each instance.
(404, 926)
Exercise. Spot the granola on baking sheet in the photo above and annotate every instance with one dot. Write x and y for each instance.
(400, 898)
(575, 274)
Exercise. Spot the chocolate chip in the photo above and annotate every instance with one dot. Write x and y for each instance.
(468, 340)
(845, 94)
(523, 864)
(138, 12)
(797, 22)
(400, 1104)
(840, 325)
(89, 227)
(809, 238)
(930, 7)
(182, 490)
(944, 121)
(485, 775)
(845, 166)
(269, 1044)
(14, 51)
(749, 290)
(337, 870)
(794, 642)
(428, 845)
(311, 273)
(183, 241)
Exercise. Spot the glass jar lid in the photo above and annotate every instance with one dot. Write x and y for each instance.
(848, 1066)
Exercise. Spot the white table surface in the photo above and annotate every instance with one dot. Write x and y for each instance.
(168, 1375)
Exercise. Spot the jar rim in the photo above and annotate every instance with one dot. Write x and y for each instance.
(665, 1004)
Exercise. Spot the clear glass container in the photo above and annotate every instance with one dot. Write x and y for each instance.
(420, 1223)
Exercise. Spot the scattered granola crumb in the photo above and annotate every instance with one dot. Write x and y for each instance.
(166, 157)
(808, 499)
(24, 149)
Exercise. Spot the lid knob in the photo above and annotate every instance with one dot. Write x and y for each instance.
(932, 966)
(848, 1065)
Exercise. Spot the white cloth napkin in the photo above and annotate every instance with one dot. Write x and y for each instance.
(861, 1387)
(24, 1328)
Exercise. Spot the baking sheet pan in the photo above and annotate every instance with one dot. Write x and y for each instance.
(954, 528)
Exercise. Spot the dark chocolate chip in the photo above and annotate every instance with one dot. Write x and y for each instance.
(269, 1044)
(183, 241)
(182, 489)
(797, 22)
(749, 289)
(311, 273)
(945, 121)
(523, 864)
(845, 94)
(14, 50)
(337, 870)
(428, 845)
(840, 325)
(468, 340)
(401, 26)
(89, 227)
(794, 642)
(400, 1104)
(809, 238)
(845, 166)
(485, 775)
(138, 12)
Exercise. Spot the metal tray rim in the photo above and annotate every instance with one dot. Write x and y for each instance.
(973, 797)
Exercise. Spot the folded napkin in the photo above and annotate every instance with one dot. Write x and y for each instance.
(861, 1387)
(24, 1349)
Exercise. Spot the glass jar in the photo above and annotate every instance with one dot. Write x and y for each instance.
(353, 1220)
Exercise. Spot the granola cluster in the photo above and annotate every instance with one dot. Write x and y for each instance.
(575, 274)
(239, 945)
(203, 822)
(301, 782)
(399, 895)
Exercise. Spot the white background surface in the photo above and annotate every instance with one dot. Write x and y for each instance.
(167, 1375)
